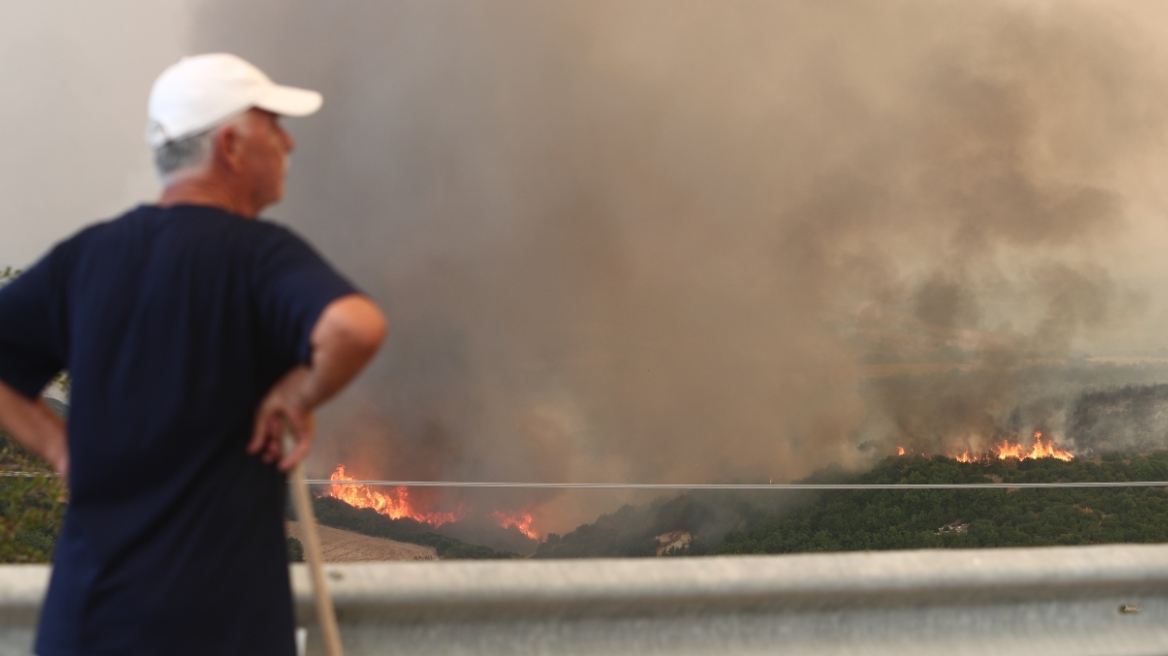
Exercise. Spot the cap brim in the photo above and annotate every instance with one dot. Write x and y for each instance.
(289, 101)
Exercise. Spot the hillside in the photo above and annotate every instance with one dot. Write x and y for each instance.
(792, 522)
(912, 519)
(366, 521)
(737, 523)
(636, 531)
(338, 546)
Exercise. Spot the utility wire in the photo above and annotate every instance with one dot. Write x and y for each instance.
(704, 486)
(743, 486)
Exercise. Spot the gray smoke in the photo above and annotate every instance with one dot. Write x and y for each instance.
(1131, 418)
(677, 240)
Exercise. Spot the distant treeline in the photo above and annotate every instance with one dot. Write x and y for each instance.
(764, 522)
(899, 519)
(632, 531)
(915, 519)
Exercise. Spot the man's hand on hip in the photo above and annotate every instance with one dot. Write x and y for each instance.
(284, 406)
(344, 339)
(35, 426)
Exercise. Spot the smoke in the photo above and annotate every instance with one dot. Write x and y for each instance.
(1132, 418)
(675, 240)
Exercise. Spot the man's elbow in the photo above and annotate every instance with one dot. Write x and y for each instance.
(355, 321)
(372, 332)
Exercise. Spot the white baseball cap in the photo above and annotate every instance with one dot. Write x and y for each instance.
(202, 91)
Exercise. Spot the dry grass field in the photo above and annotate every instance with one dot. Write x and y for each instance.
(348, 547)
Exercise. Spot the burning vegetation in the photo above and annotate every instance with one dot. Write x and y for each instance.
(1008, 450)
(395, 503)
(521, 520)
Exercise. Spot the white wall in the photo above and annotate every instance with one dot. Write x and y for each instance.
(75, 77)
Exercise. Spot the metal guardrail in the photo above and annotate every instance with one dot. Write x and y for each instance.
(1062, 600)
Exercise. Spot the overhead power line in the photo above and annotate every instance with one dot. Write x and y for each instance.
(704, 486)
(742, 486)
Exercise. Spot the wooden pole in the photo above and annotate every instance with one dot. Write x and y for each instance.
(326, 616)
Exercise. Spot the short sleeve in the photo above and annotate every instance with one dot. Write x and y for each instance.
(292, 285)
(33, 328)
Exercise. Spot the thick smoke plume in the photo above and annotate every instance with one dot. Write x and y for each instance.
(681, 240)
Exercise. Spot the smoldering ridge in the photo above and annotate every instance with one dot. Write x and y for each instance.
(675, 241)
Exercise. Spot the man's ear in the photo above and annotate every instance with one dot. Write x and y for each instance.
(228, 147)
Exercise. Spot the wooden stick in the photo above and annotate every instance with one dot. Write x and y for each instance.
(325, 614)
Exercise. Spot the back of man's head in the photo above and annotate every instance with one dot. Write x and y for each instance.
(193, 97)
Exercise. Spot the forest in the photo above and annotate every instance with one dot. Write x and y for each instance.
(917, 519)
(849, 520)
(31, 509)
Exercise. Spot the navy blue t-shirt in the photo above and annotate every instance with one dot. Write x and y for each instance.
(173, 324)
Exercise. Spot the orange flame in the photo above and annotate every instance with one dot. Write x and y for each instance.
(1007, 450)
(521, 520)
(1039, 450)
(395, 504)
(900, 450)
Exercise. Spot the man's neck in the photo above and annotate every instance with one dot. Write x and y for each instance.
(203, 190)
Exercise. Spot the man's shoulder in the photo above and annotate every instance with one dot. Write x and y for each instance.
(185, 218)
(149, 232)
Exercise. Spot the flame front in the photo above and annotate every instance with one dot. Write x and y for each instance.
(521, 520)
(1039, 450)
(1007, 450)
(394, 504)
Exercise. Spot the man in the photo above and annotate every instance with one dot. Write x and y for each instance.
(192, 332)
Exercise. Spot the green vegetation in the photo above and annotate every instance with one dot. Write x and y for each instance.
(772, 522)
(632, 531)
(338, 514)
(846, 520)
(8, 274)
(31, 508)
(915, 519)
(295, 550)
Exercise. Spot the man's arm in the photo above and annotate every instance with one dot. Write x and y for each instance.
(344, 339)
(35, 426)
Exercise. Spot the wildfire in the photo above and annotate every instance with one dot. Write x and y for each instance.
(1039, 450)
(394, 504)
(521, 520)
(1007, 450)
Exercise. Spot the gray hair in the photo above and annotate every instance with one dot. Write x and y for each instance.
(173, 156)
(188, 152)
